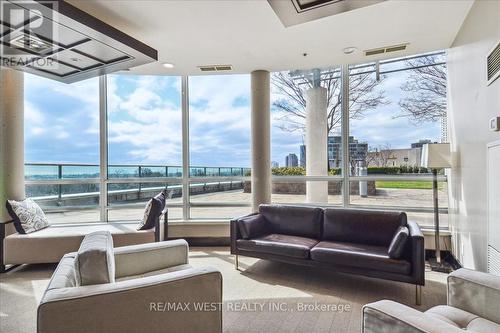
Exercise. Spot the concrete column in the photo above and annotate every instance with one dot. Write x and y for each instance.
(11, 138)
(316, 144)
(261, 138)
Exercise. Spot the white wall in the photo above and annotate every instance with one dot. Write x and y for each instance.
(471, 105)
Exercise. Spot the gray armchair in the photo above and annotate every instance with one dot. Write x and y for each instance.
(473, 306)
(152, 284)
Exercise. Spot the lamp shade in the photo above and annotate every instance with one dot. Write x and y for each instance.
(436, 155)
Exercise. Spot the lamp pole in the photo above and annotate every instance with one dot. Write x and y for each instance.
(436, 215)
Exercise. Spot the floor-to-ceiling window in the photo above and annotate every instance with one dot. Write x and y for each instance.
(144, 150)
(219, 146)
(369, 150)
(413, 113)
(62, 148)
(291, 93)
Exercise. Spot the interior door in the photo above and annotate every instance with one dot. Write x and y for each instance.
(494, 208)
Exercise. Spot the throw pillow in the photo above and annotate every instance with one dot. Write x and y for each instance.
(398, 243)
(27, 216)
(95, 259)
(153, 210)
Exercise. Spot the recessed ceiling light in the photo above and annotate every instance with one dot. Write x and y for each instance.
(350, 50)
(168, 65)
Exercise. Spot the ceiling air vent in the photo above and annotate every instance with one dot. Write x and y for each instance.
(493, 64)
(386, 49)
(215, 68)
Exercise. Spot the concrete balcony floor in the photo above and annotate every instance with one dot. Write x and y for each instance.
(385, 197)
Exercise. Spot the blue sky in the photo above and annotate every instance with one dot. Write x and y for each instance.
(62, 121)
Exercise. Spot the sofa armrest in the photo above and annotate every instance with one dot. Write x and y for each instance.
(170, 301)
(417, 252)
(143, 258)
(235, 231)
(389, 316)
(475, 292)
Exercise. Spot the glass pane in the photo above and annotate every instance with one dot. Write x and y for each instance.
(232, 191)
(62, 142)
(119, 194)
(215, 213)
(74, 203)
(291, 93)
(80, 171)
(219, 120)
(219, 124)
(144, 126)
(136, 214)
(61, 121)
(295, 192)
(40, 172)
(397, 193)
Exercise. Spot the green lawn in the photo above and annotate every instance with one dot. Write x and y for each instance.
(422, 185)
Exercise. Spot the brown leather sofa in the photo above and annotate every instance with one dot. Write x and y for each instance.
(345, 240)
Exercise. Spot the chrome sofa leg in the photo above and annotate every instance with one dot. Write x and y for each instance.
(418, 294)
(236, 262)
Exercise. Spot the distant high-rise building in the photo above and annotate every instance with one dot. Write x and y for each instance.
(275, 164)
(420, 143)
(291, 161)
(302, 161)
(357, 150)
(444, 129)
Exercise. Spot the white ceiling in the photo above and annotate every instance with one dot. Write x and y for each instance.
(249, 35)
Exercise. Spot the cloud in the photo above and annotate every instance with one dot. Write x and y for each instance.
(145, 121)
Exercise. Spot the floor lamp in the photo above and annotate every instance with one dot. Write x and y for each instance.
(436, 156)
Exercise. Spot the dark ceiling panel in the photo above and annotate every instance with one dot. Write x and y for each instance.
(59, 41)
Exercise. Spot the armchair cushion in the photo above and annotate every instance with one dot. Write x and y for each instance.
(252, 226)
(398, 242)
(139, 259)
(95, 262)
(475, 292)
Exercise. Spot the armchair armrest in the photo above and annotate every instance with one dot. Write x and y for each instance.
(151, 304)
(416, 249)
(143, 258)
(475, 292)
(389, 316)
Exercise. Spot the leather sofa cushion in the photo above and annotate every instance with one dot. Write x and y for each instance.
(398, 242)
(252, 226)
(293, 220)
(283, 245)
(364, 256)
(361, 226)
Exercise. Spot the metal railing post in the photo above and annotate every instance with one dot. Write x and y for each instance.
(140, 175)
(59, 176)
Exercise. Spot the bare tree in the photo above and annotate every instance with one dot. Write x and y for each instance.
(380, 156)
(424, 97)
(363, 96)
